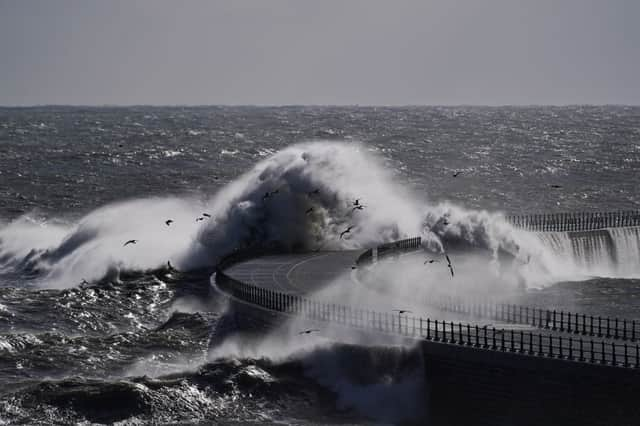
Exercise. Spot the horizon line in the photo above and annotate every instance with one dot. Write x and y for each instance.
(47, 105)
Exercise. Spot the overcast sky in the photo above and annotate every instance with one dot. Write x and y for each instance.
(275, 52)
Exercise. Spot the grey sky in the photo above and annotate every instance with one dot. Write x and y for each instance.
(319, 52)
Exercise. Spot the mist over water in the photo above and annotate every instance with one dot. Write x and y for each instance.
(120, 319)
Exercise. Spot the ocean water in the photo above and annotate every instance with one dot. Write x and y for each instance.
(97, 332)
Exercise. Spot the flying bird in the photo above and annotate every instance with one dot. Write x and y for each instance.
(346, 231)
(555, 186)
(198, 219)
(206, 215)
(168, 222)
(456, 173)
(449, 265)
(309, 210)
(357, 202)
(311, 330)
(358, 207)
(402, 311)
(130, 242)
(269, 194)
(430, 261)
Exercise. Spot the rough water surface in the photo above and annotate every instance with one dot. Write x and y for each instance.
(92, 331)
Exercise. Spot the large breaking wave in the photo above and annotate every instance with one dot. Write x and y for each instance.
(300, 198)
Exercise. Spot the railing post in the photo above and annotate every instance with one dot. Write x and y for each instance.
(550, 346)
(493, 345)
(428, 329)
(540, 353)
(581, 359)
(599, 327)
(615, 328)
(554, 320)
(436, 330)
(608, 328)
(626, 357)
(571, 348)
(613, 354)
(593, 359)
(602, 353)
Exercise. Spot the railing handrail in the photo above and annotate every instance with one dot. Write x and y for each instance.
(575, 221)
(461, 334)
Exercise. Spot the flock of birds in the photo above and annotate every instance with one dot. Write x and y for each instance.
(356, 205)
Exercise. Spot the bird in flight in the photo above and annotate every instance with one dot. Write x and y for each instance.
(346, 231)
(168, 222)
(357, 202)
(206, 215)
(130, 242)
(449, 265)
(358, 207)
(402, 311)
(430, 261)
(555, 186)
(309, 210)
(311, 330)
(456, 173)
(269, 194)
(198, 219)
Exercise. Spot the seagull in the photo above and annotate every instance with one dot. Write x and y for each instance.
(170, 266)
(402, 311)
(314, 192)
(269, 194)
(430, 261)
(358, 207)
(206, 215)
(555, 186)
(168, 222)
(198, 219)
(449, 264)
(456, 173)
(357, 202)
(309, 210)
(311, 330)
(130, 242)
(346, 231)
(354, 267)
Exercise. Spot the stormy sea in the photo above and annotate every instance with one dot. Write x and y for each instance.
(112, 220)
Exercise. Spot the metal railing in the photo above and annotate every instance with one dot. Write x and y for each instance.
(458, 333)
(398, 246)
(580, 221)
(548, 319)
(461, 334)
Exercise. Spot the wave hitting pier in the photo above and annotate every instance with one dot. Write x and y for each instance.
(564, 368)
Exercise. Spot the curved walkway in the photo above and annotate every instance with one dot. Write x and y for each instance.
(296, 273)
